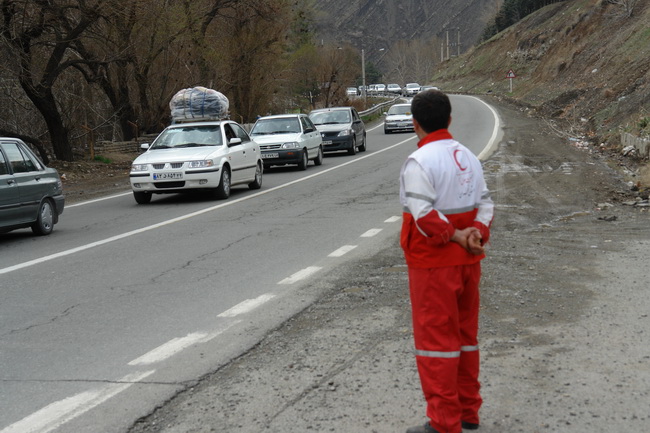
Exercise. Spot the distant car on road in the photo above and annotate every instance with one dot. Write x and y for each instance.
(425, 88)
(394, 88)
(411, 89)
(380, 88)
(210, 156)
(341, 129)
(351, 91)
(288, 139)
(398, 118)
(31, 194)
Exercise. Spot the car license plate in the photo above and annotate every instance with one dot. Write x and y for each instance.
(165, 176)
(327, 141)
(270, 155)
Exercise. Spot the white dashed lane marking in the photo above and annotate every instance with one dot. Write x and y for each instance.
(370, 233)
(342, 251)
(301, 275)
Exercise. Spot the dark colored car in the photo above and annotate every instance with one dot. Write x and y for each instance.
(31, 194)
(341, 129)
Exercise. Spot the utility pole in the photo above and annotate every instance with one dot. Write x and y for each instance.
(447, 44)
(458, 40)
(363, 79)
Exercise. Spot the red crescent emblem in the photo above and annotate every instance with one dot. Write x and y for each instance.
(456, 152)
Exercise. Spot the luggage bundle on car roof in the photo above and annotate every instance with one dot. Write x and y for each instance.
(197, 104)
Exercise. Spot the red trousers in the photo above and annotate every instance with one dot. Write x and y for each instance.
(445, 304)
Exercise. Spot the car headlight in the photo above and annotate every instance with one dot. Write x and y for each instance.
(139, 167)
(201, 164)
(290, 145)
(345, 132)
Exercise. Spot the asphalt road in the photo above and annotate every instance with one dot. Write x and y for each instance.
(125, 305)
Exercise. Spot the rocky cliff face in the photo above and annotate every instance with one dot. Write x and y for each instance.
(375, 24)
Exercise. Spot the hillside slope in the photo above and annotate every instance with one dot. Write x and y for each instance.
(580, 60)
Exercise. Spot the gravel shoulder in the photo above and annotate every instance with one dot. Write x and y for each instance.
(564, 318)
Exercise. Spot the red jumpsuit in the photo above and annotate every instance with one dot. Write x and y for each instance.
(442, 189)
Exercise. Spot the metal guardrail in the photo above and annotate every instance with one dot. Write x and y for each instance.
(378, 107)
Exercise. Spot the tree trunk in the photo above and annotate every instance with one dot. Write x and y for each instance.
(45, 103)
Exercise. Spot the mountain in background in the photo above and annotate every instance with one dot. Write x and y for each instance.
(373, 25)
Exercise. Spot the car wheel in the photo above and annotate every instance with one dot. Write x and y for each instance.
(362, 147)
(44, 223)
(223, 190)
(302, 165)
(353, 149)
(142, 197)
(386, 131)
(257, 183)
(319, 158)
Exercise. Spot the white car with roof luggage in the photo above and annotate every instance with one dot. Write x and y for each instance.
(197, 155)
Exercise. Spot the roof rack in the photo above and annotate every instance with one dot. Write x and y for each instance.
(177, 120)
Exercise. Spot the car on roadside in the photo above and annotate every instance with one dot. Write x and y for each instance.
(395, 89)
(351, 91)
(425, 88)
(398, 118)
(288, 139)
(208, 156)
(341, 129)
(411, 89)
(380, 89)
(31, 194)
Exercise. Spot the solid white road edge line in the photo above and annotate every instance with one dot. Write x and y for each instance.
(83, 203)
(188, 216)
(487, 150)
(301, 275)
(60, 412)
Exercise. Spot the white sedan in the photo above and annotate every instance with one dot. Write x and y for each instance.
(398, 118)
(288, 139)
(208, 156)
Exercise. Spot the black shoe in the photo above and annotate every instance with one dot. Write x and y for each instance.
(469, 425)
(426, 428)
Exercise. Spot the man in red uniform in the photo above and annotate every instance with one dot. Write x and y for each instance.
(447, 216)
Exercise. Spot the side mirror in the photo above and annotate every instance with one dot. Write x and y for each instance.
(234, 141)
(145, 146)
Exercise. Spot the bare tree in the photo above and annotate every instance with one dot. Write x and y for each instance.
(250, 54)
(411, 61)
(40, 34)
(338, 68)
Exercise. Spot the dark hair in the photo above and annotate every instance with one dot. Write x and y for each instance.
(432, 110)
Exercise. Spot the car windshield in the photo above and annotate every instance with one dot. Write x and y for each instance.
(282, 125)
(412, 85)
(399, 109)
(330, 117)
(189, 136)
